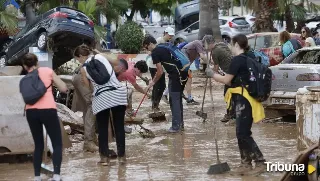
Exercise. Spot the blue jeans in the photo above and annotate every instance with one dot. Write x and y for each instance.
(175, 101)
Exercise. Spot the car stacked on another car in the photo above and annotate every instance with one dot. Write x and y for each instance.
(229, 27)
(268, 42)
(300, 69)
(59, 30)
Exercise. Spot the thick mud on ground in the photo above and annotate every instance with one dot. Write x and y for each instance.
(167, 157)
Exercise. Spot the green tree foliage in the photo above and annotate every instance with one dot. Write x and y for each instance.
(8, 19)
(129, 37)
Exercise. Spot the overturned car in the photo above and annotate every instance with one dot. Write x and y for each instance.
(59, 30)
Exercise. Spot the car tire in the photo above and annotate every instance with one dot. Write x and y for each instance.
(104, 46)
(42, 41)
(3, 61)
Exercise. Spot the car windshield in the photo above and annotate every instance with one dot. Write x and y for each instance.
(240, 21)
(304, 57)
(264, 41)
(73, 12)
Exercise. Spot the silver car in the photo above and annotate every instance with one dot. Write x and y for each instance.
(293, 73)
(229, 27)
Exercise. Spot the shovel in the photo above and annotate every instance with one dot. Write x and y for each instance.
(219, 167)
(200, 113)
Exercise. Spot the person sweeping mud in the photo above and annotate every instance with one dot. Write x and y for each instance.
(108, 95)
(193, 51)
(161, 57)
(221, 56)
(248, 110)
(160, 85)
(133, 71)
(43, 113)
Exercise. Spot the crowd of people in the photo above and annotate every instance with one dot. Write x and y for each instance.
(107, 104)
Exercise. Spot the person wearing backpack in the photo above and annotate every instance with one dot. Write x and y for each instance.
(84, 96)
(162, 56)
(243, 78)
(108, 95)
(41, 110)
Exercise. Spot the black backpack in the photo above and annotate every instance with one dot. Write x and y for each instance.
(98, 71)
(260, 80)
(32, 88)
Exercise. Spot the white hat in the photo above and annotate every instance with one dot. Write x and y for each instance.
(169, 30)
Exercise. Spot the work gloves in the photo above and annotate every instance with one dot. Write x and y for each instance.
(209, 72)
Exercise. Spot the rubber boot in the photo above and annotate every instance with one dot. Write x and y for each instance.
(104, 161)
(90, 146)
(122, 160)
(243, 169)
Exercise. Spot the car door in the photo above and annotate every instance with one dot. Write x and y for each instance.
(193, 31)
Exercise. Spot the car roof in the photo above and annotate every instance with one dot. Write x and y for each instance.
(309, 48)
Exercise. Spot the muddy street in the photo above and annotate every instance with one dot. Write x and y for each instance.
(185, 156)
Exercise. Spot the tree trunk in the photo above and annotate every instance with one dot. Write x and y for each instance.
(30, 13)
(308, 5)
(289, 20)
(263, 21)
(300, 23)
(130, 16)
(208, 19)
(231, 8)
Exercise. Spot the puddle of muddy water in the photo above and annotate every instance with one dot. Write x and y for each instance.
(184, 156)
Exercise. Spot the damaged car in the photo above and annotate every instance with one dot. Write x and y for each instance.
(300, 69)
(59, 30)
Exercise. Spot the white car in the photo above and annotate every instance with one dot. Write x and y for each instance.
(229, 27)
(293, 73)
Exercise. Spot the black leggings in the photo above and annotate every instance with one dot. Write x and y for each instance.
(158, 88)
(102, 117)
(49, 118)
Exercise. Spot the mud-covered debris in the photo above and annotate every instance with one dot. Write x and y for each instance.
(68, 117)
(68, 129)
(77, 138)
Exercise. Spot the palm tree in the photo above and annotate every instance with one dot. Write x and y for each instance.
(209, 19)
(289, 11)
(8, 19)
(263, 10)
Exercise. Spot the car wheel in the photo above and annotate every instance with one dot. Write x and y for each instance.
(104, 46)
(3, 61)
(42, 41)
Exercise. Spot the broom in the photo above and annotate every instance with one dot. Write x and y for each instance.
(219, 167)
(44, 168)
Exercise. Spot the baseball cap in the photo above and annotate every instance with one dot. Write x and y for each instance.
(169, 30)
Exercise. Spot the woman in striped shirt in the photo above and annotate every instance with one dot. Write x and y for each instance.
(111, 96)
